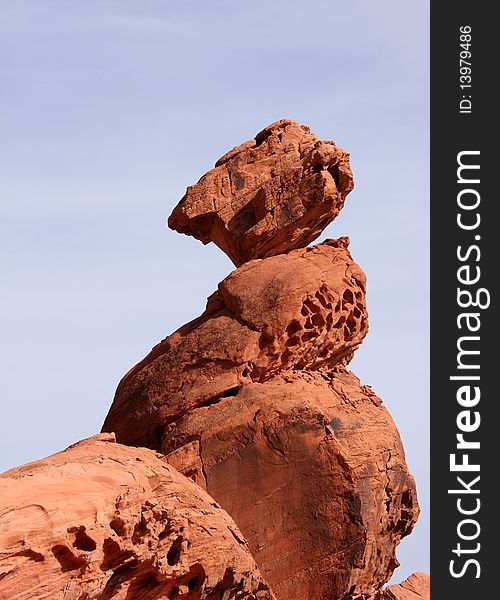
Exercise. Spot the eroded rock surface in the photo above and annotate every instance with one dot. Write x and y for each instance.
(101, 521)
(305, 310)
(416, 587)
(252, 400)
(269, 195)
(311, 467)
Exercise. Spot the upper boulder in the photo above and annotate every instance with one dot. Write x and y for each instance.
(269, 195)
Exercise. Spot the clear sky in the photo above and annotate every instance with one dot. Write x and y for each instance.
(110, 108)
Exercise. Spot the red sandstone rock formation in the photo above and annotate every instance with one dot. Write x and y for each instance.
(269, 195)
(101, 521)
(416, 587)
(252, 400)
(303, 310)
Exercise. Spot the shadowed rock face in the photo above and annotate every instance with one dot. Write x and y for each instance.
(267, 196)
(311, 467)
(102, 521)
(305, 311)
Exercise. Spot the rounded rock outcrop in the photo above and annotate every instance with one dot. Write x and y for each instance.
(311, 467)
(101, 520)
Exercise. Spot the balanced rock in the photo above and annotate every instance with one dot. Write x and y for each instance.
(269, 195)
(252, 400)
(101, 521)
(250, 409)
(416, 587)
(304, 310)
(311, 467)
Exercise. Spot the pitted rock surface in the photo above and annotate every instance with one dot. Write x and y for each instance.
(305, 310)
(100, 521)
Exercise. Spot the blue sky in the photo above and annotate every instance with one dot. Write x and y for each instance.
(109, 109)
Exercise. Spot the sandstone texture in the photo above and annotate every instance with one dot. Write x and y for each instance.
(304, 310)
(311, 467)
(252, 400)
(269, 195)
(416, 587)
(255, 465)
(101, 521)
